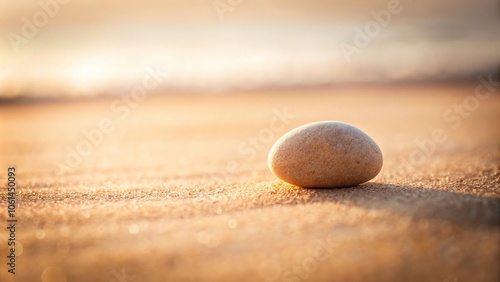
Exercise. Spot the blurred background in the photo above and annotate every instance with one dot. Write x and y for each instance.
(64, 48)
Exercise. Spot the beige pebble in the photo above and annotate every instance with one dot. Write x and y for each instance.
(325, 154)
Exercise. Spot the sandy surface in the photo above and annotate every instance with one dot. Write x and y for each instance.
(180, 190)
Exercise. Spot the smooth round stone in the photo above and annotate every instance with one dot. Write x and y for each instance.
(325, 154)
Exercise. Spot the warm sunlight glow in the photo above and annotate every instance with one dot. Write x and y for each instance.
(89, 74)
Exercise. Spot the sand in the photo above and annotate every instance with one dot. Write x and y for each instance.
(180, 189)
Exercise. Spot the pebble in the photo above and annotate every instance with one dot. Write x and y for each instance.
(325, 154)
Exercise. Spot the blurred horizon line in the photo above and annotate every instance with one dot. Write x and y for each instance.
(31, 98)
(92, 48)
